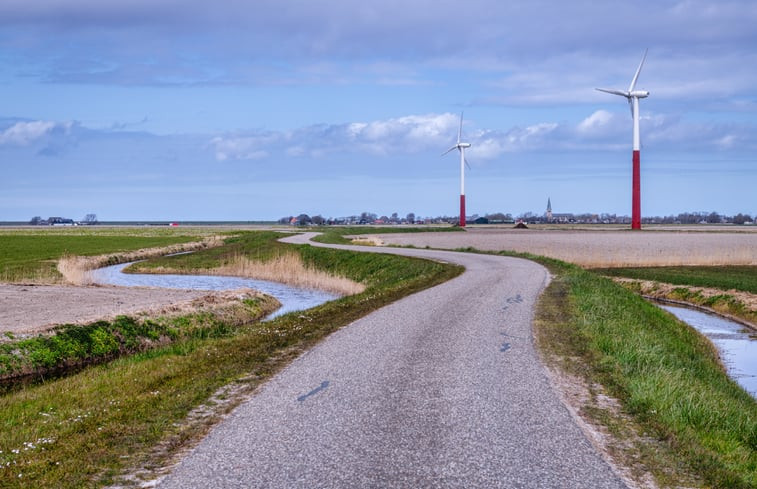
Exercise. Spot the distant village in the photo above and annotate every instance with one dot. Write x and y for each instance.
(368, 218)
(548, 217)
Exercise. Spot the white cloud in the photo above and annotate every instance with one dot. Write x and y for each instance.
(433, 133)
(407, 135)
(25, 133)
(239, 148)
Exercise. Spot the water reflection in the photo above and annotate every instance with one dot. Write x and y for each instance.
(736, 343)
(291, 298)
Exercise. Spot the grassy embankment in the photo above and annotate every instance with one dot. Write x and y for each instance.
(680, 416)
(715, 288)
(335, 234)
(86, 429)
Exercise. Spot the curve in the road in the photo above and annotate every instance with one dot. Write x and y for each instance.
(440, 389)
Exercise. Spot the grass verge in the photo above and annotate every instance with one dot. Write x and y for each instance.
(733, 304)
(86, 429)
(335, 235)
(743, 278)
(687, 421)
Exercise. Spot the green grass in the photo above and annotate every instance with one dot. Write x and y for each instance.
(742, 278)
(85, 429)
(34, 256)
(666, 375)
(257, 245)
(335, 235)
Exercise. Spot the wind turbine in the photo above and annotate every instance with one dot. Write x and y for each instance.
(460, 146)
(633, 97)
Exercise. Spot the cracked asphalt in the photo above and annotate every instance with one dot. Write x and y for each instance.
(440, 389)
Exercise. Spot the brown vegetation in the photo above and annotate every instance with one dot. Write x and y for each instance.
(595, 249)
(289, 269)
(75, 269)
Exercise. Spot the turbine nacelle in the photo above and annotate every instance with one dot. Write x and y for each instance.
(625, 93)
(463, 145)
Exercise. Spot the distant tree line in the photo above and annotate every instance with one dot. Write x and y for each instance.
(529, 217)
(89, 219)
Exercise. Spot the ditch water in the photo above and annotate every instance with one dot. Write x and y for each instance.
(736, 343)
(291, 298)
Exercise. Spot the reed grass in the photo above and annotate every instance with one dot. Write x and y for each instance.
(290, 269)
(76, 269)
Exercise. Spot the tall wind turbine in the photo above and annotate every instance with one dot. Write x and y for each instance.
(633, 97)
(460, 146)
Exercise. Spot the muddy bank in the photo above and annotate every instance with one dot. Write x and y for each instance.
(36, 308)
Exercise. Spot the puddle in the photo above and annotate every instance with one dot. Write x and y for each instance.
(291, 298)
(736, 343)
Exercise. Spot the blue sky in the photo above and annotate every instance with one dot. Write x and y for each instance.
(242, 110)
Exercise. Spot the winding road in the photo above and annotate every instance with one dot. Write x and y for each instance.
(440, 389)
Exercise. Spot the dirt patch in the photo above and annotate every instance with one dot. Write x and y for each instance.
(26, 309)
(600, 248)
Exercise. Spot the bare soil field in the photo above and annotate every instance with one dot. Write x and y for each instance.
(28, 309)
(600, 248)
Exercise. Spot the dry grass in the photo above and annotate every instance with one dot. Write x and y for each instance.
(598, 249)
(289, 269)
(367, 241)
(76, 269)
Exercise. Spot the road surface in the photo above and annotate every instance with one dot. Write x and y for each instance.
(440, 389)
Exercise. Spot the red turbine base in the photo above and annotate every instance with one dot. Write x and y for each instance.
(462, 211)
(636, 192)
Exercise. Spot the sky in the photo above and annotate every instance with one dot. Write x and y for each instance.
(254, 110)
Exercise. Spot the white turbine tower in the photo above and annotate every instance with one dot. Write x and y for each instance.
(633, 97)
(460, 146)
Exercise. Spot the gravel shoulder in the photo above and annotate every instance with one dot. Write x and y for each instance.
(28, 309)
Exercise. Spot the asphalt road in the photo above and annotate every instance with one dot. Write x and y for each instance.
(440, 389)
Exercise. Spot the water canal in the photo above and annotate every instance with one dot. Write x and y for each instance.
(736, 343)
(291, 298)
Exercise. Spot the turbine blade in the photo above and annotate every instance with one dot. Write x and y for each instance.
(453, 147)
(630, 106)
(614, 92)
(467, 164)
(460, 131)
(632, 87)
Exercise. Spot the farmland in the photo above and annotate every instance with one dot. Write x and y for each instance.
(596, 248)
(586, 325)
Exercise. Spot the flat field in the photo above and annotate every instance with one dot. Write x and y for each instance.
(599, 248)
(31, 254)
